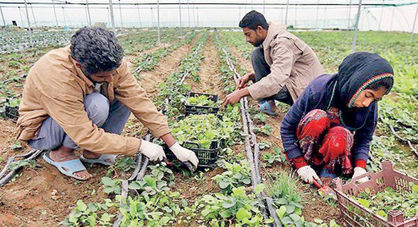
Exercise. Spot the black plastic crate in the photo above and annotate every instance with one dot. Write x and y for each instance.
(9, 112)
(207, 157)
(191, 109)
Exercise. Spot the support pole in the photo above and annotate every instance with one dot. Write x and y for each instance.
(88, 12)
(349, 16)
(188, 11)
(21, 18)
(63, 15)
(264, 7)
(239, 13)
(197, 16)
(112, 18)
(2, 17)
(317, 15)
(139, 17)
(287, 11)
(381, 17)
(68, 21)
(30, 28)
(158, 22)
(393, 18)
(33, 15)
(413, 26)
(356, 27)
(108, 16)
(152, 18)
(55, 13)
(181, 30)
(296, 16)
(120, 12)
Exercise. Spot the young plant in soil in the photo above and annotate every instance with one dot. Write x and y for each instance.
(276, 157)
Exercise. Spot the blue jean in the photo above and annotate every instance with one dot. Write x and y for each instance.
(262, 69)
(112, 117)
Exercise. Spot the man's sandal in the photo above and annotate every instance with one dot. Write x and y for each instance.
(265, 107)
(67, 168)
(102, 159)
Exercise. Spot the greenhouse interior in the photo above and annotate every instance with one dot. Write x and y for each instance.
(209, 113)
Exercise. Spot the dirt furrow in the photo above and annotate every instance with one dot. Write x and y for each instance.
(209, 72)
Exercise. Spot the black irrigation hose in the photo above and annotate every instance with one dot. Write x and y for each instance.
(11, 159)
(33, 154)
(400, 138)
(137, 175)
(123, 198)
(252, 157)
(138, 161)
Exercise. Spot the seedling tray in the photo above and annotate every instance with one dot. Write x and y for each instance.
(207, 157)
(191, 109)
(354, 214)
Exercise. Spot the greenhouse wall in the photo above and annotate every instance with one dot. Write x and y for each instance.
(386, 18)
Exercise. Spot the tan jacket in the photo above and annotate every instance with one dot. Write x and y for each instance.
(292, 63)
(55, 87)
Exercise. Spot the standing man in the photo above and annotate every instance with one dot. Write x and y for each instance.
(81, 96)
(283, 64)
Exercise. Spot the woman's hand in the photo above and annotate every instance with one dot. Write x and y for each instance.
(307, 174)
(360, 171)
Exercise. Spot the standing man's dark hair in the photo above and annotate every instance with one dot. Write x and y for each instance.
(96, 49)
(252, 20)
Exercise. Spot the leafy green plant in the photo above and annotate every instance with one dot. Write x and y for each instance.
(159, 209)
(260, 117)
(241, 207)
(236, 175)
(264, 145)
(125, 164)
(286, 197)
(89, 215)
(277, 156)
(111, 186)
(201, 100)
(149, 186)
(202, 129)
(265, 130)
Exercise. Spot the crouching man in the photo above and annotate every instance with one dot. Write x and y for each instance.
(81, 96)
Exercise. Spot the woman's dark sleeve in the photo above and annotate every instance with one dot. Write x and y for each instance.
(362, 138)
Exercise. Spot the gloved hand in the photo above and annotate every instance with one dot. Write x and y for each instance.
(184, 154)
(307, 174)
(360, 171)
(153, 151)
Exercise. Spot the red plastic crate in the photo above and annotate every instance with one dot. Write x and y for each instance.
(377, 182)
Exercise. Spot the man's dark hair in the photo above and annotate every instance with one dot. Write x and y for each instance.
(252, 20)
(96, 49)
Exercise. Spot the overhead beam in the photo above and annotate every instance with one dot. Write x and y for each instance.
(214, 3)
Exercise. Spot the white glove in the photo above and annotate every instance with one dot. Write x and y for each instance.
(307, 174)
(184, 154)
(153, 151)
(360, 171)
